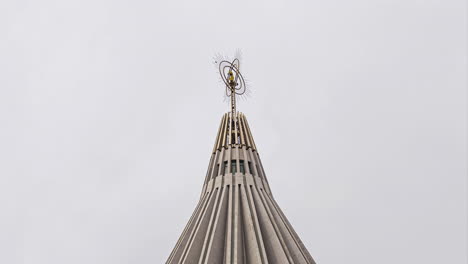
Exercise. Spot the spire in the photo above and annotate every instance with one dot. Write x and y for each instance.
(237, 220)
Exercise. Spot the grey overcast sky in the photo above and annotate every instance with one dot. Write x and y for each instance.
(109, 111)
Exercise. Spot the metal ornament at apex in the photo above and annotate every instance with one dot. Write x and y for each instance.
(237, 220)
(231, 76)
(233, 79)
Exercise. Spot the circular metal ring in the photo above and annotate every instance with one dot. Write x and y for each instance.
(225, 67)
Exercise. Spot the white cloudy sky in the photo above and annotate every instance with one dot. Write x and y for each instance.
(109, 109)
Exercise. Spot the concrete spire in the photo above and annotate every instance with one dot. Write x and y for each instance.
(237, 221)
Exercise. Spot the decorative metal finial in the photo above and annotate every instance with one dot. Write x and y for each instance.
(232, 78)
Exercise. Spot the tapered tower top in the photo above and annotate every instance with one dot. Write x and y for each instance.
(234, 130)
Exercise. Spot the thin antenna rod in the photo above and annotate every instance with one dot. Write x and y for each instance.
(233, 101)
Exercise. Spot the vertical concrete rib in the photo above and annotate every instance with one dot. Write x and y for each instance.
(256, 224)
(228, 245)
(237, 228)
(241, 130)
(211, 225)
(215, 239)
(183, 238)
(276, 229)
(249, 133)
(253, 250)
(224, 131)
(244, 131)
(231, 140)
(192, 252)
(276, 251)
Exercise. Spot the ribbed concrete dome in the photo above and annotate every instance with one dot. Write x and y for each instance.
(237, 221)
